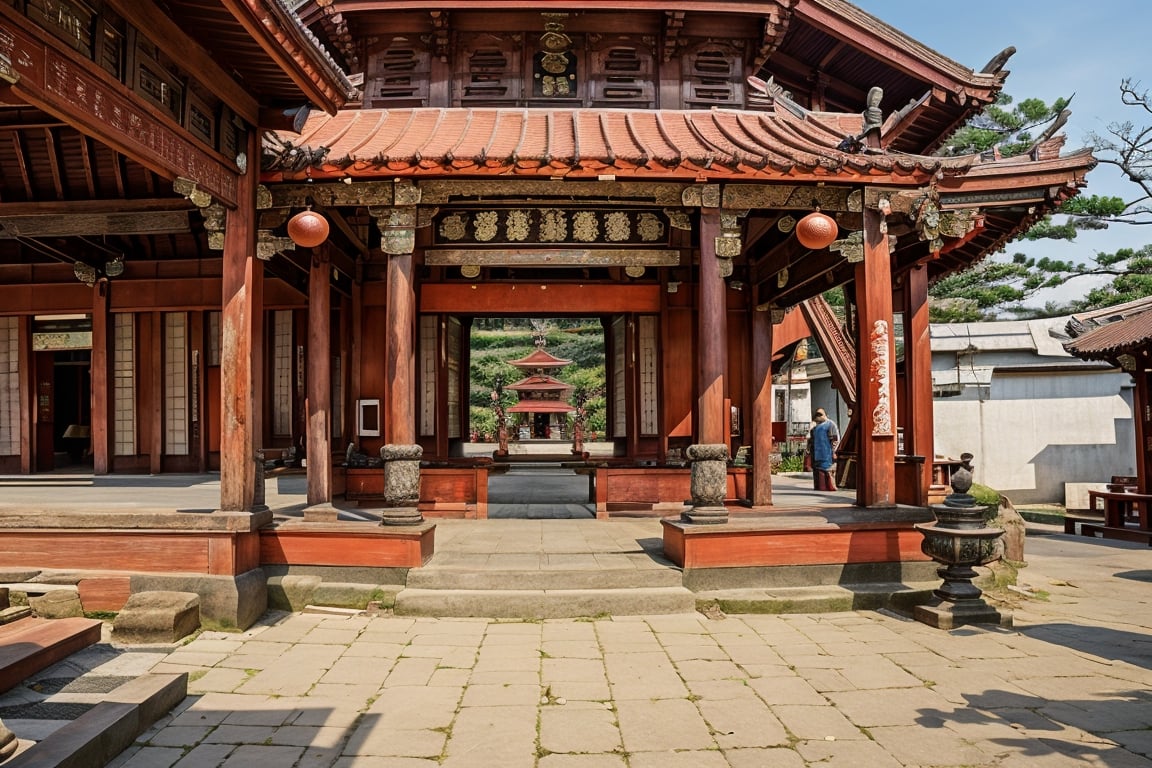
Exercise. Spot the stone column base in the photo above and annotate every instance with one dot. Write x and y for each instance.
(8, 743)
(401, 516)
(945, 615)
(705, 515)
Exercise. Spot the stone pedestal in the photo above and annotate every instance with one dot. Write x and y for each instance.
(401, 484)
(258, 498)
(709, 484)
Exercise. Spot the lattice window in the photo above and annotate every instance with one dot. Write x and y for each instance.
(124, 384)
(648, 398)
(454, 342)
(282, 373)
(398, 76)
(622, 74)
(176, 384)
(619, 378)
(9, 386)
(713, 75)
(489, 71)
(428, 347)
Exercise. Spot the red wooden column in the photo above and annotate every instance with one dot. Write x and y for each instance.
(319, 382)
(242, 332)
(917, 406)
(712, 335)
(1141, 404)
(761, 407)
(400, 426)
(99, 375)
(876, 371)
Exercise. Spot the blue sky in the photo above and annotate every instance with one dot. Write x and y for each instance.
(1062, 47)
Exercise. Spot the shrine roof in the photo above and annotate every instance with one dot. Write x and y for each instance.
(542, 406)
(539, 382)
(685, 144)
(1104, 334)
(267, 44)
(538, 358)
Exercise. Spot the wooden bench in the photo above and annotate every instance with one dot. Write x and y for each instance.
(1119, 506)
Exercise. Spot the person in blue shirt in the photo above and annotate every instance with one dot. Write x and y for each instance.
(822, 442)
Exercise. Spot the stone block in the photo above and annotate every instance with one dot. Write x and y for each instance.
(226, 602)
(292, 593)
(157, 617)
(56, 604)
(346, 595)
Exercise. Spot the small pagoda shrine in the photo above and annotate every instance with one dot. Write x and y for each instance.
(542, 408)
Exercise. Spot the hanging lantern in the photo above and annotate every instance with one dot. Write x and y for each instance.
(308, 229)
(816, 230)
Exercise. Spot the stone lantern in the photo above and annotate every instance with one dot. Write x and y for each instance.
(960, 540)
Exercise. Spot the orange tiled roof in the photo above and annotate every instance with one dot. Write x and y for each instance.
(586, 142)
(539, 358)
(1105, 334)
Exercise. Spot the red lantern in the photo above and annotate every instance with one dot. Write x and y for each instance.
(308, 229)
(816, 230)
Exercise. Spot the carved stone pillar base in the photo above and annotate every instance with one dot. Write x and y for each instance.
(709, 483)
(258, 499)
(401, 516)
(401, 484)
(705, 515)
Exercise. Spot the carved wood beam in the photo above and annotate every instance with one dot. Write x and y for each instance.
(814, 273)
(615, 192)
(79, 224)
(332, 195)
(170, 38)
(549, 257)
(73, 89)
(61, 207)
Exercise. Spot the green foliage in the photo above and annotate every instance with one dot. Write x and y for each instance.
(1004, 127)
(985, 291)
(496, 341)
(791, 462)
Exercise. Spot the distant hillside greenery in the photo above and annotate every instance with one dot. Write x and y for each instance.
(495, 341)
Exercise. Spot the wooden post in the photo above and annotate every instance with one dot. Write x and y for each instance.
(98, 373)
(761, 421)
(28, 399)
(400, 426)
(876, 372)
(917, 407)
(319, 377)
(242, 334)
(156, 385)
(1141, 403)
(712, 336)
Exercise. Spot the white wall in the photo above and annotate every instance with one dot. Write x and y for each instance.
(1032, 433)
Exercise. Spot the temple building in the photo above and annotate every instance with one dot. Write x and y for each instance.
(542, 399)
(229, 228)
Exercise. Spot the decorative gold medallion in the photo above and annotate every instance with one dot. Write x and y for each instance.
(453, 227)
(554, 63)
(553, 226)
(517, 226)
(585, 226)
(470, 271)
(634, 270)
(786, 224)
(484, 222)
(650, 228)
(617, 226)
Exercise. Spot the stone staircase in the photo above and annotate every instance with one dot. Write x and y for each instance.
(615, 586)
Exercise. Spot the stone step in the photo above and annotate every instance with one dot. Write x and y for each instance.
(543, 603)
(819, 599)
(32, 644)
(447, 577)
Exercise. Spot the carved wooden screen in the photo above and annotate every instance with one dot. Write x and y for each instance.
(619, 378)
(622, 74)
(124, 384)
(488, 72)
(648, 399)
(428, 347)
(9, 386)
(398, 75)
(176, 394)
(454, 344)
(713, 76)
(282, 373)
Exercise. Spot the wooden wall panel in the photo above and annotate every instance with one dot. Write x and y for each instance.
(149, 552)
(677, 374)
